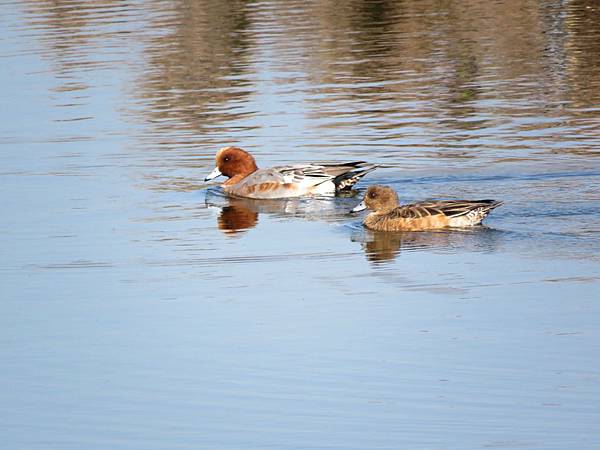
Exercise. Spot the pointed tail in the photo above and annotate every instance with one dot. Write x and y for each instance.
(345, 181)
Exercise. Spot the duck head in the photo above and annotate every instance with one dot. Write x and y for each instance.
(233, 162)
(378, 199)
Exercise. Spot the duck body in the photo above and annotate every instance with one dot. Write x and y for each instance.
(388, 215)
(431, 215)
(247, 180)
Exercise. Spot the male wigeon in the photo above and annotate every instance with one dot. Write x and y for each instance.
(389, 215)
(247, 180)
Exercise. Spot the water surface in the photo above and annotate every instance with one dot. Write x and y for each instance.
(143, 310)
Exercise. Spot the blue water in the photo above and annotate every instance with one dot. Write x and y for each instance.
(143, 309)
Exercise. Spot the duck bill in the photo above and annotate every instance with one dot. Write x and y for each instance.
(359, 207)
(214, 174)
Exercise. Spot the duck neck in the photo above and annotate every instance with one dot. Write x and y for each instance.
(235, 179)
(243, 171)
(387, 208)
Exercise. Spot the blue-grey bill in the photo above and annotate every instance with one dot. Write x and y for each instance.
(359, 207)
(214, 174)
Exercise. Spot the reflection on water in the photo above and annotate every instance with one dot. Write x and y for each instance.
(240, 214)
(386, 246)
(78, 39)
(475, 82)
(127, 306)
(198, 70)
(235, 218)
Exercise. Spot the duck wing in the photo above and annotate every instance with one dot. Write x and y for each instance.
(283, 182)
(448, 208)
(301, 179)
(343, 175)
(303, 173)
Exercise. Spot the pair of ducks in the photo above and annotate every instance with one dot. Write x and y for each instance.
(245, 179)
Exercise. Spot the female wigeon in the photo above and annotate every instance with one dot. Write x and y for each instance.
(247, 180)
(389, 215)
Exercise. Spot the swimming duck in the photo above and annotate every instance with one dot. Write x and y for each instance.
(389, 215)
(247, 180)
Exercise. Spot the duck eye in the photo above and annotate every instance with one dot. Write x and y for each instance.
(227, 158)
(373, 194)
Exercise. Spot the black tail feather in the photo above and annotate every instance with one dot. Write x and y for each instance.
(346, 181)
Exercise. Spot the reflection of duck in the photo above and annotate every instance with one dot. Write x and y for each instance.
(236, 218)
(382, 246)
(241, 214)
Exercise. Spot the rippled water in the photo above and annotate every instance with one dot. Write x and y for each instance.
(143, 310)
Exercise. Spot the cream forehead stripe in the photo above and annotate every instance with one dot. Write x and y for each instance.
(221, 151)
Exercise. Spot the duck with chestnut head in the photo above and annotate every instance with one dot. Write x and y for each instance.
(245, 179)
